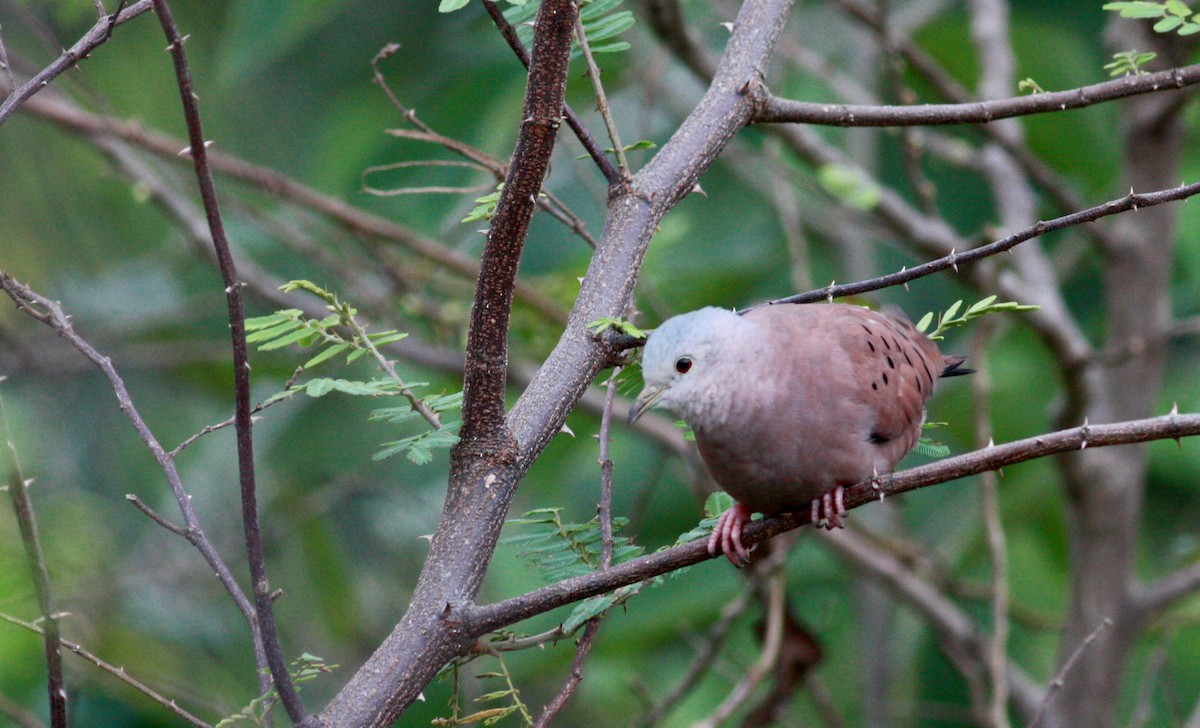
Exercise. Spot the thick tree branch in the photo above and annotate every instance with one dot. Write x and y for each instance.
(263, 607)
(776, 110)
(487, 336)
(99, 34)
(479, 620)
(428, 636)
(482, 476)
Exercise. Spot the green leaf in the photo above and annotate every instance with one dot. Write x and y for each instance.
(327, 354)
(292, 338)
(1167, 24)
(1137, 9)
(587, 609)
(1179, 9)
(931, 449)
(717, 503)
(952, 310)
(980, 305)
(386, 337)
(262, 322)
(274, 331)
(449, 6)
(1189, 29)
(849, 185)
(924, 322)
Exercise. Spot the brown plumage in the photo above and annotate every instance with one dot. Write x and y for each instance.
(791, 402)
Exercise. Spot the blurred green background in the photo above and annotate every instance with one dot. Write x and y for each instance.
(289, 86)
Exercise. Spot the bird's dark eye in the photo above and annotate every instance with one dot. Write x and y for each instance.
(683, 364)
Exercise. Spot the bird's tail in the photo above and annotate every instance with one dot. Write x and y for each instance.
(952, 366)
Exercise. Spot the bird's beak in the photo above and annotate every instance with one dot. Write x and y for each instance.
(645, 401)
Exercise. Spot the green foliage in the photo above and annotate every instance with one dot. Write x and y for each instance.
(1129, 63)
(487, 716)
(601, 22)
(258, 713)
(620, 325)
(562, 550)
(1173, 15)
(1030, 86)
(485, 206)
(951, 318)
(849, 186)
(643, 144)
(930, 448)
(714, 506)
(340, 333)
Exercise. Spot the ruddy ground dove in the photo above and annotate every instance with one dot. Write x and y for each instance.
(789, 403)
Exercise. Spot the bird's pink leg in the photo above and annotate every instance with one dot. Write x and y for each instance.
(827, 511)
(727, 535)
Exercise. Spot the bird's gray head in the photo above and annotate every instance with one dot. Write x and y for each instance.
(680, 358)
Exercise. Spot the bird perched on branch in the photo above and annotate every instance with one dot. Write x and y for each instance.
(789, 403)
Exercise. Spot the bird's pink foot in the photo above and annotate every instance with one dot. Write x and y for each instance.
(727, 535)
(827, 511)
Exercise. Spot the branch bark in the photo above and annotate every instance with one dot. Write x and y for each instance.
(482, 619)
(481, 489)
(777, 110)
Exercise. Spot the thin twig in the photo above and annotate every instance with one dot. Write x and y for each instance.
(584, 646)
(18, 490)
(372, 228)
(606, 470)
(777, 110)
(513, 643)
(117, 672)
(546, 201)
(241, 374)
(771, 643)
(1061, 676)
(997, 655)
(6, 66)
(602, 99)
(17, 713)
(480, 619)
(568, 688)
(96, 36)
(226, 423)
(1057, 188)
(585, 137)
(51, 313)
(154, 516)
(701, 662)
(1131, 201)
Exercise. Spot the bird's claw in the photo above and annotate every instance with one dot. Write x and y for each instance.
(828, 510)
(726, 537)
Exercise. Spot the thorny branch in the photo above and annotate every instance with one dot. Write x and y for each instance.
(117, 672)
(1131, 201)
(51, 314)
(263, 607)
(99, 33)
(18, 491)
(775, 110)
(486, 618)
